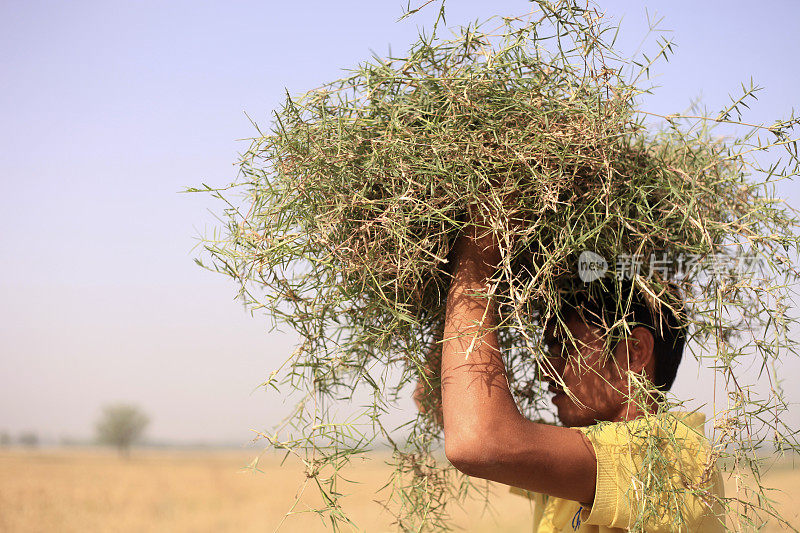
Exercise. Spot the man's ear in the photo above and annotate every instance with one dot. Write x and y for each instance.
(636, 352)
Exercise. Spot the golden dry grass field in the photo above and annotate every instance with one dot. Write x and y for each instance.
(189, 491)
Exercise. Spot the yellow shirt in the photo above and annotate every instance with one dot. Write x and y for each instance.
(653, 474)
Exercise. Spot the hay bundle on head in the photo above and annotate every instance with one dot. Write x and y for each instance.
(356, 195)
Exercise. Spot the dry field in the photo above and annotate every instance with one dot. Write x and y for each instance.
(176, 491)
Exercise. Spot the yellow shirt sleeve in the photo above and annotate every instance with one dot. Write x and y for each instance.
(655, 474)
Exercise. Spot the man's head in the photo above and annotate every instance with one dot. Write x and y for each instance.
(596, 362)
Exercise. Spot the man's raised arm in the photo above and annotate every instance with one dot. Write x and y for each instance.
(485, 434)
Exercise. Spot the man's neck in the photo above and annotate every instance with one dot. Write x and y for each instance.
(631, 410)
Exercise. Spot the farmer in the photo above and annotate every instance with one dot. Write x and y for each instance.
(583, 476)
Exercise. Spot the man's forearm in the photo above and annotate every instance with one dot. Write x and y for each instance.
(475, 394)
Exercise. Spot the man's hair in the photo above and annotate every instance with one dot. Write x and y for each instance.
(604, 303)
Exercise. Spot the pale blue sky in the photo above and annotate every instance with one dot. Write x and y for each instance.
(109, 109)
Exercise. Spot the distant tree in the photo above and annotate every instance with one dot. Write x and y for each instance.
(5, 439)
(121, 425)
(68, 441)
(29, 439)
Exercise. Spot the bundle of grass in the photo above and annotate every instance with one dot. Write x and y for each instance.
(355, 197)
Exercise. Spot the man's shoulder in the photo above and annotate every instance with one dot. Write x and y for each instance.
(679, 427)
(652, 464)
